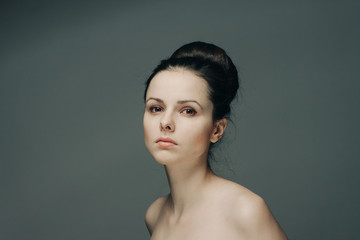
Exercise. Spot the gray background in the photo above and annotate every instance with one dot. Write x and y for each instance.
(72, 159)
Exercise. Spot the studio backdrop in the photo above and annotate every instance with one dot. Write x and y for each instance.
(73, 164)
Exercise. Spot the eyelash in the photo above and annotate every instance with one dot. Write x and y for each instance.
(187, 111)
(155, 109)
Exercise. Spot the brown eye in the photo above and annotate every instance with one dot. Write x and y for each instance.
(155, 109)
(189, 111)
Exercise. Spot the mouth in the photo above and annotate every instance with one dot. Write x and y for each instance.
(166, 142)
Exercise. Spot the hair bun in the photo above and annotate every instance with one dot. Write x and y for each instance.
(215, 54)
(213, 65)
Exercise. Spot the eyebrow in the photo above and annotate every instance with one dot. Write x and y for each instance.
(193, 101)
(179, 102)
(156, 99)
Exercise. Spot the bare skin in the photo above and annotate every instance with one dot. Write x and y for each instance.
(179, 128)
(218, 209)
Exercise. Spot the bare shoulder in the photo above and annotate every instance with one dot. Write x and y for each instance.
(153, 212)
(250, 214)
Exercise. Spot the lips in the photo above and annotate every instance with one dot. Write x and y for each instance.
(166, 142)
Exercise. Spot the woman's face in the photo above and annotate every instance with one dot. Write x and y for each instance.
(178, 124)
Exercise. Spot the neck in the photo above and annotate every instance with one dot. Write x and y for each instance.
(187, 185)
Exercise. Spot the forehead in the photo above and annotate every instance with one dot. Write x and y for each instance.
(178, 84)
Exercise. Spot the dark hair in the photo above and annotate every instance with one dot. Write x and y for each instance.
(210, 63)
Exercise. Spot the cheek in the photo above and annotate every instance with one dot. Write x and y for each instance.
(149, 127)
(146, 126)
(200, 135)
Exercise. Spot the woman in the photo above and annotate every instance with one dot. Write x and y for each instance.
(187, 101)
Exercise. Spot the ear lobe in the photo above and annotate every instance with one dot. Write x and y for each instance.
(219, 129)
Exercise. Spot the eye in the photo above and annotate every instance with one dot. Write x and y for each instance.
(189, 111)
(155, 109)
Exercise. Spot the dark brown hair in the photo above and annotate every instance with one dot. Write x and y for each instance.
(211, 63)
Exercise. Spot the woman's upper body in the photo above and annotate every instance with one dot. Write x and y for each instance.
(187, 101)
(219, 210)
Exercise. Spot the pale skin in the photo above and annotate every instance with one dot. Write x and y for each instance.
(178, 130)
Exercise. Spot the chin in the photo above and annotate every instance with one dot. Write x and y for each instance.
(165, 160)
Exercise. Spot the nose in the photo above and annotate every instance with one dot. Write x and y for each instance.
(167, 123)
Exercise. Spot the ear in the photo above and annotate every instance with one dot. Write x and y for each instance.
(218, 131)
